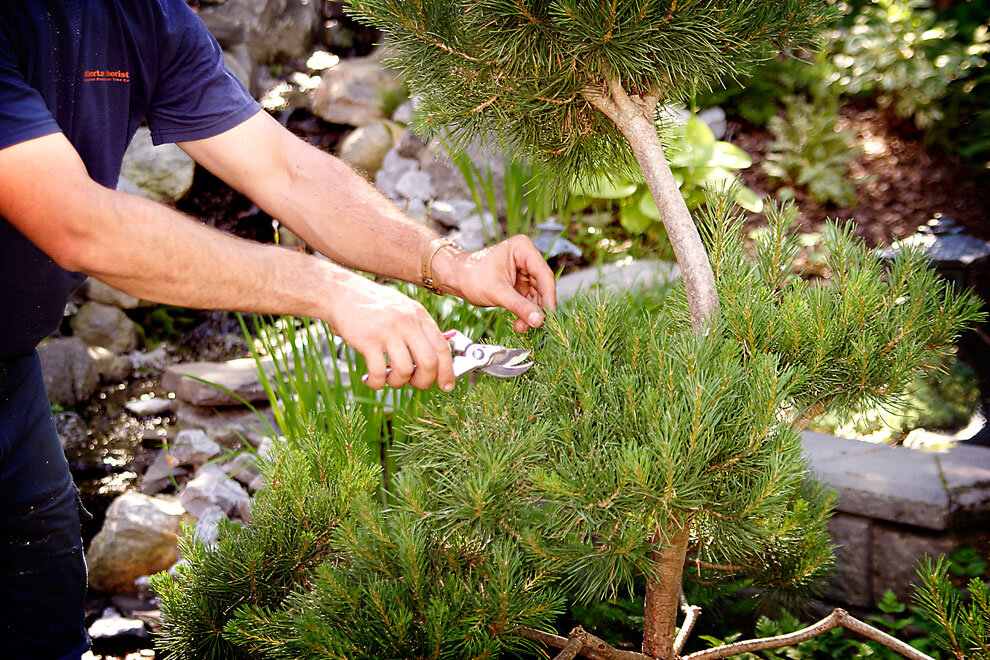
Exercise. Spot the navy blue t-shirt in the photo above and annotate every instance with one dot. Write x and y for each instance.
(94, 69)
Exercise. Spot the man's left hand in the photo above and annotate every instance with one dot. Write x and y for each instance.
(511, 274)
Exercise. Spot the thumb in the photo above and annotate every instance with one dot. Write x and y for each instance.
(526, 310)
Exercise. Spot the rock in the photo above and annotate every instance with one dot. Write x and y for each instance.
(162, 472)
(896, 554)
(111, 626)
(139, 537)
(365, 147)
(551, 242)
(149, 361)
(415, 184)
(715, 118)
(102, 325)
(241, 468)
(416, 209)
(393, 166)
(452, 212)
(102, 292)
(68, 370)
(850, 584)
(142, 587)
(211, 487)
(238, 60)
(410, 146)
(163, 173)
(192, 447)
(404, 113)
(72, 430)
(239, 376)
(129, 605)
(475, 231)
(271, 29)
(354, 91)
(112, 368)
(150, 407)
(621, 276)
(229, 427)
(207, 526)
(257, 483)
(447, 179)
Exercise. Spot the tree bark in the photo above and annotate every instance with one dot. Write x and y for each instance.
(636, 119)
(662, 595)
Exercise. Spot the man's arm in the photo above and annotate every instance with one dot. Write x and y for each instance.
(341, 215)
(156, 253)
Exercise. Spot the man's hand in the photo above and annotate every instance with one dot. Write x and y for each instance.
(377, 321)
(512, 274)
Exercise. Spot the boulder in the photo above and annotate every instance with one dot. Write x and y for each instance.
(210, 488)
(415, 184)
(193, 447)
(271, 29)
(208, 526)
(230, 427)
(393, 166)
(72, 430)
(447, 179)
(195, 382)
(112, 630)
(139, 537)
(365, 147)
(162, 472)
(112, 368)
(102, 292)
(354, 91)
(150, 406)
(69, 372)
(452, 212)
(239, 61)
(163, 173)
(102, 325)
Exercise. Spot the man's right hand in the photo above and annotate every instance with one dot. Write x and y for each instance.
(378, 321)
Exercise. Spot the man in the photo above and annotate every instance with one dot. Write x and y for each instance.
(77, 77)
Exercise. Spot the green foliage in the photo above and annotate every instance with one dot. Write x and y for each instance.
(698, 162)
(519, 70)
(963, 619)
(940, 400)
(810, 151)
(855, 341)
(312, 482)
(898, 51)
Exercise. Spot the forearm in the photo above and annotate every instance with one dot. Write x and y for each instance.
(156, 253)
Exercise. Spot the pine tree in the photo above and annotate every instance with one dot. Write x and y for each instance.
(654, 440)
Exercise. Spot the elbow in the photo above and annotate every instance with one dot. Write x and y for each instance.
(74, 240)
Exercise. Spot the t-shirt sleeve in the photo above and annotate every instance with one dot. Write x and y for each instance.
(23, 113)
(195, 96)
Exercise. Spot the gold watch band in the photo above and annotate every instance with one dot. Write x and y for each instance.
(435, 246)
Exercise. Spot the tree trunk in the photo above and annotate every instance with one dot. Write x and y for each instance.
(635, 117)
(661, 607)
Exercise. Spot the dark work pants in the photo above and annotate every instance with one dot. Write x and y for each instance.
(42, 570)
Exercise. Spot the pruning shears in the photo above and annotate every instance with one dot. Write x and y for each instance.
(490, 359)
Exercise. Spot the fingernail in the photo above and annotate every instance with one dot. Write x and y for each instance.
(447, 387)
(535, 318)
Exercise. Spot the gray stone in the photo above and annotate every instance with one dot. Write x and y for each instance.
(447, 179)
(72, 430)
(621, 276)
(715, 118)
(415, 184)
(452, 212)
(138, 538)
(232, 22)
(393, 167)
(416, 209)
(238, 61)
(551, 242)
(353, 92)
(410, 145)
(257, 483)
(102, 292)
(851, 583)
(896, 554)
(887, 483)
(207, 526)
(271, 29)
(229, 427)
(365, 147)
(163, 173)
(193, 447)
(102, 325)
(143, 362)
(239, 376)
(162, 472)
(404, 113)
(129, 605)
(150, 407)
(142, 587)
(241, 468)
(211, 487)
(112, 626)
(112, 368)
(965, 471)
(68, 370)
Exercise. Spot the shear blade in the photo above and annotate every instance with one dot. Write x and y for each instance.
(503, 371)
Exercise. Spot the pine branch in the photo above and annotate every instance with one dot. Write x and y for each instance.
(839, 618)
(691, 615)
(592, 647)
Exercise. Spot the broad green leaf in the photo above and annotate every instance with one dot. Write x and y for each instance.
(714, 177)
(577, 203)
(647, 206)
(697, 147)
(634, 220)
(730, 156)
(748, 199)
(603, 188)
